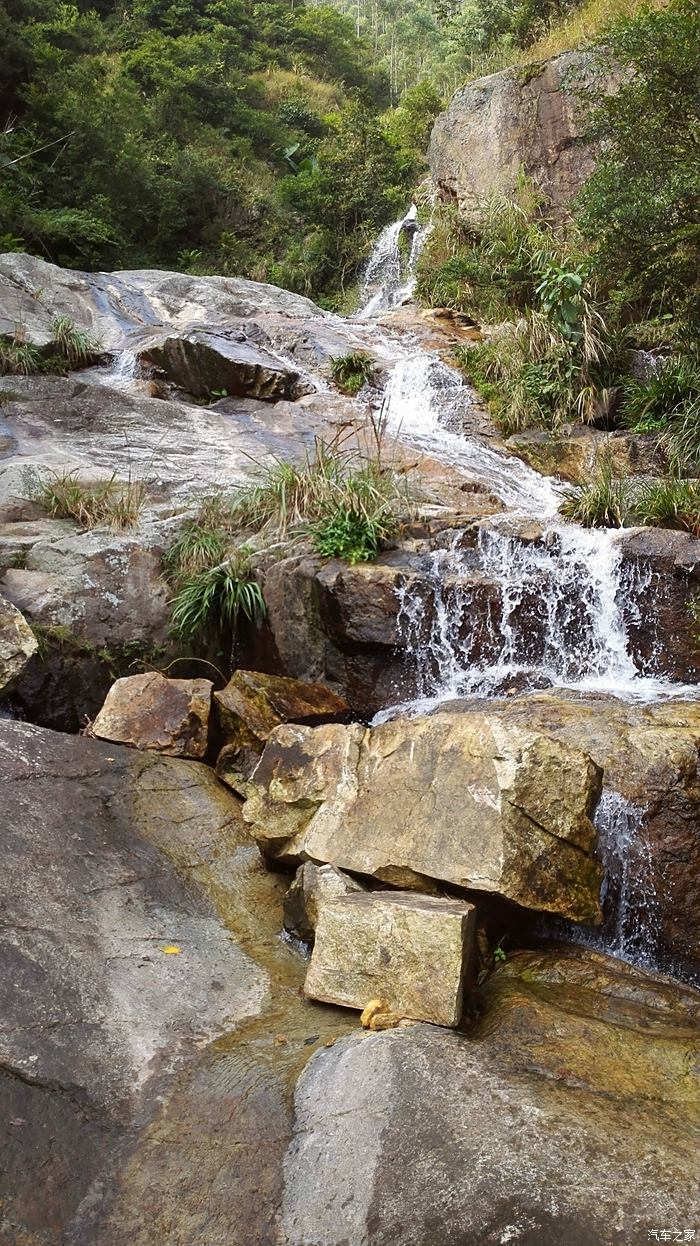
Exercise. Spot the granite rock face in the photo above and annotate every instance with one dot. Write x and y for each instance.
(207, 360)
(469, 800)
(528, 116)
(148, 711)
(313, 887)
(406, 950)
(17, 645)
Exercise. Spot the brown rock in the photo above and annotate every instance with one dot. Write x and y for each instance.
(408, 950)
(471, 800)
(151, 712)
(252, 704)
(576, 455)
(528, 116)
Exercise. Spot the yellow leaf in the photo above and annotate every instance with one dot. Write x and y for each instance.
(171, 949)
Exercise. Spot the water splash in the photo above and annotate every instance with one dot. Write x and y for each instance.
(390, 275)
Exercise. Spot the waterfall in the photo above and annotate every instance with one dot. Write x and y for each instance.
(390, 275)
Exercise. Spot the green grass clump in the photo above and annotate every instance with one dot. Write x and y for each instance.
(76, 346)
(215, 597)
(72, 348)
(117, 503)
(672, 502)
(17, 357)
(351, 372)
(604, 503)
(650, 405)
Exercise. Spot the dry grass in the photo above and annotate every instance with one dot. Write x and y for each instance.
(582, 25)
(117, 503)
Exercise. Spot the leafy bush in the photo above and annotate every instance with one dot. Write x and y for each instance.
(114, 502)
(351, 372)
(604, 503)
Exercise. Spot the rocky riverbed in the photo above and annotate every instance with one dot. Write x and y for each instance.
(393, 936)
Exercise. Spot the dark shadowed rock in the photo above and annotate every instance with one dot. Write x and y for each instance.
(252, 704)
(206, 360)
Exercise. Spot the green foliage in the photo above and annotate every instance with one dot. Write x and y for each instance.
(76, 346)
(669, 503)
(117, 503)
(18, 358)
(604, 503)
(134, 137)
(641, 207)
(214, 598)
(353, 529)
(649, 405)
(351, 372)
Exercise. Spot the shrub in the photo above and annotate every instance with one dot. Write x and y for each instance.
(604, 503)
(348, 530)
(115, 502)
(351, 372)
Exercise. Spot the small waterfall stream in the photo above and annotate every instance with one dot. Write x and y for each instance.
(530, 602)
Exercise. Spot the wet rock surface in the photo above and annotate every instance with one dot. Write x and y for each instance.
(463, 799)
(169, 716)
(567, 1115)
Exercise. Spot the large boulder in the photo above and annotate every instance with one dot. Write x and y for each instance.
(576, 455)
(567, 1115)
(526, 117)
(206, 361)
(253, 703)
(406, 951)
(148, 711)
(461, 799)
(650, 819)
(17, 645)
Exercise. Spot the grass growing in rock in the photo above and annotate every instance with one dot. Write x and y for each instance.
(340, 503)
(604, 503)
(352, 372)
(117, 503)
(72, 348)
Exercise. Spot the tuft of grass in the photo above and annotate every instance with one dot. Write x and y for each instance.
(17, 357)
(651, 405)
(604, 503)
(673, 502)
(76, 346)
(351, 372)
(214, 597)
(117, 503)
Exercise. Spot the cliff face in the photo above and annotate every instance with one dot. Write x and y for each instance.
(526, 116)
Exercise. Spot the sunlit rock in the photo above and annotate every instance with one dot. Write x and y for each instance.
(151, 712)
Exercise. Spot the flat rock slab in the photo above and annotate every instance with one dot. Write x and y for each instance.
(17, 645)
(407, 950)
(148, 711)
(470, 800)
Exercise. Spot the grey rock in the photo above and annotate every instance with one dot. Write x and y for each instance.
(313, 886)
(527, 117)
(17, 645)
(203, 361)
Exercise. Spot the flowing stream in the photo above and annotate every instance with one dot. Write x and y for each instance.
(530, 602)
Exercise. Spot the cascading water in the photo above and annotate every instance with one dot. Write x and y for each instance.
(520, 601)
(389, 278)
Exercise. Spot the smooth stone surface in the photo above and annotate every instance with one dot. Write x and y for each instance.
(569, 1115)
(148, 711)
(17, 645)
(470, 800)
(407, 950)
